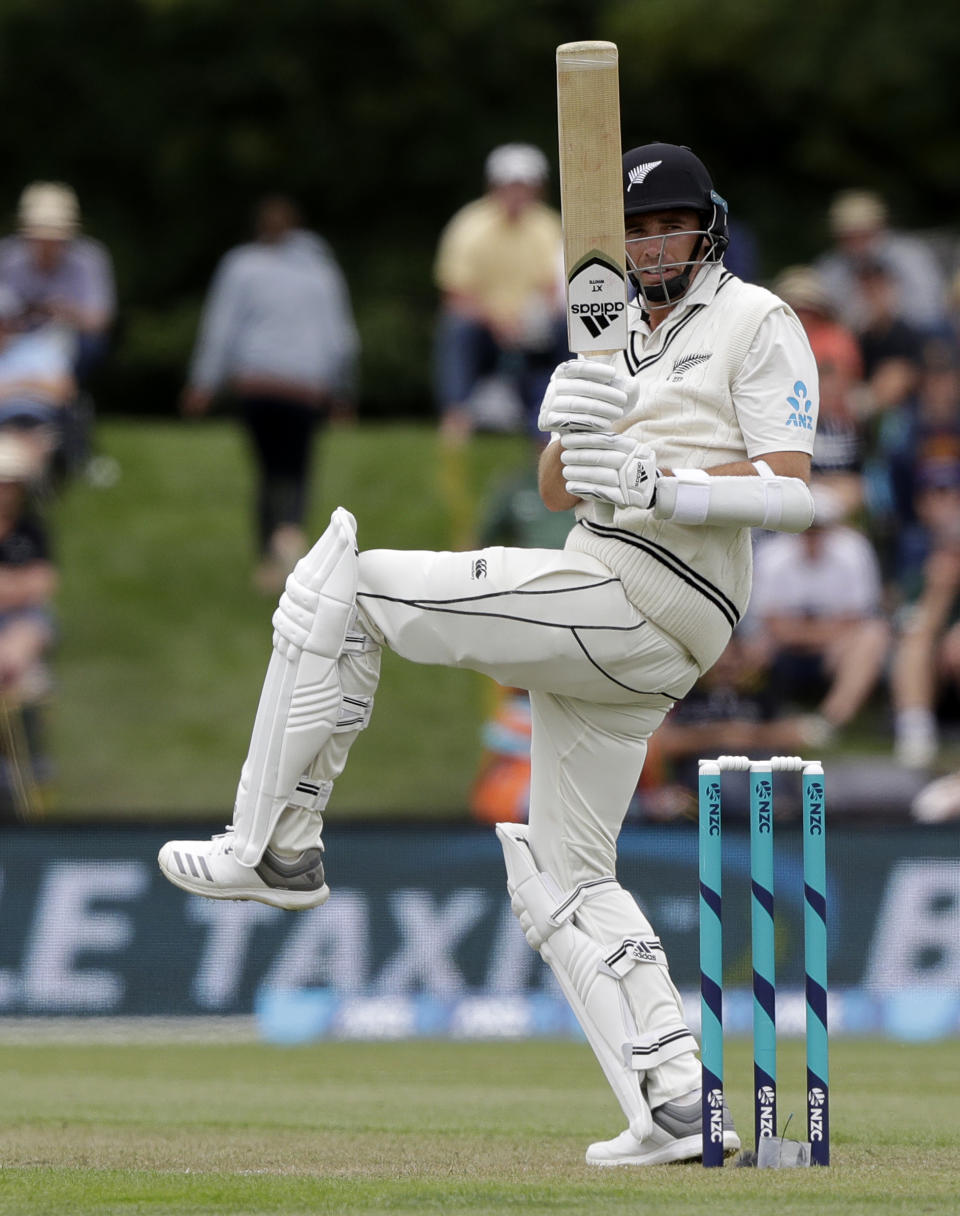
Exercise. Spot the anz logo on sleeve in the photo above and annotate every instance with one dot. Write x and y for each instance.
(801, 408)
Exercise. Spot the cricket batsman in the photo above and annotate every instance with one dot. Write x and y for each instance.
(670, 452)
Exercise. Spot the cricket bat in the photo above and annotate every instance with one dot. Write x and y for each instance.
(591, 196)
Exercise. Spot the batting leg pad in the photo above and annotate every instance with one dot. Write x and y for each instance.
(301, 702)
(590, 976)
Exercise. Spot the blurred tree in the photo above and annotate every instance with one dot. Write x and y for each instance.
(171, 117)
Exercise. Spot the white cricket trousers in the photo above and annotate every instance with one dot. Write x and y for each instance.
(601, 679)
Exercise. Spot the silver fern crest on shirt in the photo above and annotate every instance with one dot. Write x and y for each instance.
(685, 364)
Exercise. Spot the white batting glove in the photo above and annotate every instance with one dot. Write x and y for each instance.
(609, 468)
(585, 395)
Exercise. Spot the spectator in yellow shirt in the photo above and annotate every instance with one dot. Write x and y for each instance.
(498, 269)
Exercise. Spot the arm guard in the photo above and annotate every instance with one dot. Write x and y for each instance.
(691, 496)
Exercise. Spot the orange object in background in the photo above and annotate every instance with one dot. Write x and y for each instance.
(501, 791)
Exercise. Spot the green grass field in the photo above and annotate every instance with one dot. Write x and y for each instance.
(164, 640)
(438, 1127)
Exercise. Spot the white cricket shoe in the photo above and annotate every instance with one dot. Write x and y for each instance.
(208, 867)
(676, 1136)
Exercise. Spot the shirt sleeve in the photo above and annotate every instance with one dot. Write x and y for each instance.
(776, 391)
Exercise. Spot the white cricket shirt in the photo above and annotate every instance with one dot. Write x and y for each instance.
(728, 376)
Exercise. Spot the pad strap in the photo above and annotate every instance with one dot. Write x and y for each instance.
(651, 1050)
(311, 795)
(357, 641)
(586, 890)
(354, 714)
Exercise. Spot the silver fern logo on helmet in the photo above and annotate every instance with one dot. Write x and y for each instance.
(638, 174)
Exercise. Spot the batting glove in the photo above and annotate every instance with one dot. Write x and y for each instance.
(610, 468)
(585, 395)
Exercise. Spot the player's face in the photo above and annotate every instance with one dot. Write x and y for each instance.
(661, 243)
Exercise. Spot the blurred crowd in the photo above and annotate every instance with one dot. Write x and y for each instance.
(853, 635)
(57, 308)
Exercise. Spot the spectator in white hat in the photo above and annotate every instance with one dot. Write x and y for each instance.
(60, 274)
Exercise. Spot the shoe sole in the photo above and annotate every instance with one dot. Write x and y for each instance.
(289, 901)
(690, 1148)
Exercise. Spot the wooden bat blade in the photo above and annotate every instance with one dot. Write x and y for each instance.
(591, 196)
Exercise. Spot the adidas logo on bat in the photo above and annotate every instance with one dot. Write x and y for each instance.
(638, 174)
(597, 317)
(596, 325)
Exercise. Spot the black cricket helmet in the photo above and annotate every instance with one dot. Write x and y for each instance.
(661, 177)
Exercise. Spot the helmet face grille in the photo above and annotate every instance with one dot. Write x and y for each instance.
(673, 279)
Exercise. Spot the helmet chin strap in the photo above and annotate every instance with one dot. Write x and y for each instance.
(667, 291)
